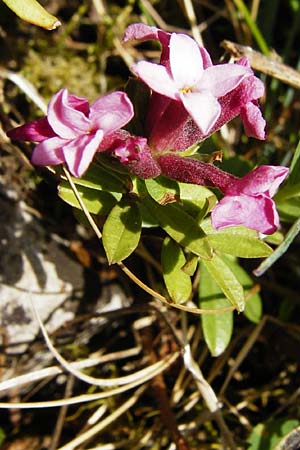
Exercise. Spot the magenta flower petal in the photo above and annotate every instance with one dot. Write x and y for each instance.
(72, 132)
(253, 121)
(204, 109)
(66, 121)
(185, 60)
(157, 78)
(140, 32)
(111, 112)
(79, 103)
(258, 213)
(37, 131)
(221, 79)
(248, 200)
(78, 153)
(49, 152)
(262, 180)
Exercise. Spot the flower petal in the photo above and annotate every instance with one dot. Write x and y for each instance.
(221, 79)
(49, 152)
(67, 122)
(79, 103)
(37, 131)
(157, 78)
(79, 152)
(262, 180)
(203, 107)
(185, 61)
(111, 112)
(207, 62)
(140, 32)
(258, 213)
(253, 121)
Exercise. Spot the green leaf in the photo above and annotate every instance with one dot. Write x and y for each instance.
(267, 436)
(289, 209)
(121, 231)
(280, 250)
(253, 307)
(181, 227)
(237, 241)
(100, 179)
(288, 191)
(2, 436)
(275, 238)
(96, 202)
(291, 440)
(226, 280)
(162, 190)
(178, 283)
(31, 11)
(217, 328)
(191, 264)
(294, 175)
(196, 200)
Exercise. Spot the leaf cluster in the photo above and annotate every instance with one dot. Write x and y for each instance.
(190, 248)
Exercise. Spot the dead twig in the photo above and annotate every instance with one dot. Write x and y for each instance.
(265, 64)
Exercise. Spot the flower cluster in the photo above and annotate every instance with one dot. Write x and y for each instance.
(190, 99)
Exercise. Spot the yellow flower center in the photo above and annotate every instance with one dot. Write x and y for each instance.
(186, 90)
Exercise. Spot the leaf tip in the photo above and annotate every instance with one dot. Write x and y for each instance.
(56, 24)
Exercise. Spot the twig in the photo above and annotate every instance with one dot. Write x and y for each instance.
(264, 64)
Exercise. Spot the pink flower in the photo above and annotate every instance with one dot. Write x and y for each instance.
(73, 131)
(176, 119)
(132, 151)
(189, 82)
(248, 201)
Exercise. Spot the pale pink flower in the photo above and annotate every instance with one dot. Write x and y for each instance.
(73, 131)
(189, 82)
(170, 123)
(248, 201)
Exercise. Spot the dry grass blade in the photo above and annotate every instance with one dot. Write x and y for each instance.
(101, 382)
(26, 87)
(164, 364)
(243, 353)
(41, 374)
(190, 12)
(105, 422)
